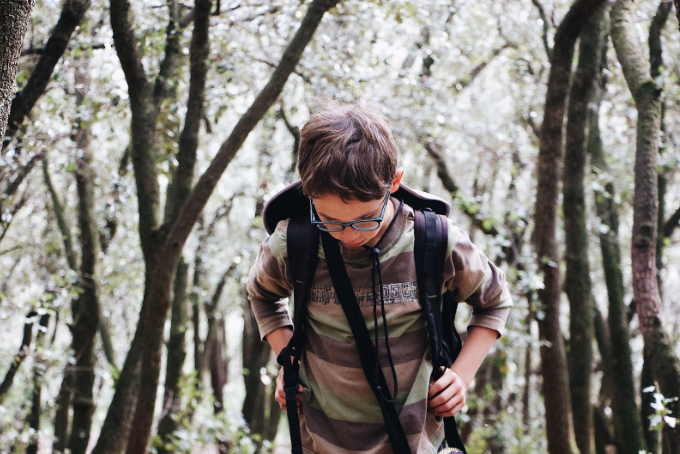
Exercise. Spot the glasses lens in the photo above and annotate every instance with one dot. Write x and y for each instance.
(330, 227)
(366, 225)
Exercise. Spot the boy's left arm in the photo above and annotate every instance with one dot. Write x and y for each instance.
(482, 285)
(447, 395)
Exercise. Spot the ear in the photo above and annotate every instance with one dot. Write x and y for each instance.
(397, 180)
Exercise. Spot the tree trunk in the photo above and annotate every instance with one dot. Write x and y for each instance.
(86, 310)
(20, 356)
(144, 105)
(62, 417)
(72, 14)
(554, 367)
(14, 18)
(176, 355)
(256, 355)
(627, 426)
(647, 299)
(36, 398)
(577, 282)
(656, 67)
(159, 288)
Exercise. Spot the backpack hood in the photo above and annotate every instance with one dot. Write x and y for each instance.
(291, 203)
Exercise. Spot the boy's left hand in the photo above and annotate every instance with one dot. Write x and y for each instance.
(447, 395)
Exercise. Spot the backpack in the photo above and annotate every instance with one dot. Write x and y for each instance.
(431, 239)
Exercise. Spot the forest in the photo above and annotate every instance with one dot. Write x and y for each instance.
(141, 140)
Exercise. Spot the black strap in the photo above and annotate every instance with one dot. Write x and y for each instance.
(431, 241)
(368, 355)
(303, 246)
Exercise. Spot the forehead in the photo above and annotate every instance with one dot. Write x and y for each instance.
(332, 207)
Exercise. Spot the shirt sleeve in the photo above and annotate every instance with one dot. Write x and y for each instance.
(476, 281)
(270, 283)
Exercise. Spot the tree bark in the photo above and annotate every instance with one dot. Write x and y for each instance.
(176, 355)
(71, 16)
(159, 289)
(577, 282)
(14, 18)
(553, 361)
(645, 215)
(86, 310)
(627, 425)
(656, 66)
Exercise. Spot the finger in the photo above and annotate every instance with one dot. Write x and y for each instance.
(448, 377)
(458, 400)
(454, 411)
(443, 397)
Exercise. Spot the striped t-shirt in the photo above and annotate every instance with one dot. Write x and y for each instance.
(339, 412)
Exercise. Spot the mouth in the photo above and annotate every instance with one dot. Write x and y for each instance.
(352, 245)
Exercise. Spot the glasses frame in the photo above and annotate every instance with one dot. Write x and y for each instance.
(314, 219)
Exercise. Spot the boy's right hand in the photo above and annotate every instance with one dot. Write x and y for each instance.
(280, 395)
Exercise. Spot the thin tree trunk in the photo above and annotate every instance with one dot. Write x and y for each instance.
(14, 18)
(176, 355)
(86, 310)
(62, 418)
(38, 374)
(553, 359)
(577, 282)
(20, 356)
(656, 66)
(627, 426)
(645, 289)
(256, 355)
(159, 289)
(72, 14)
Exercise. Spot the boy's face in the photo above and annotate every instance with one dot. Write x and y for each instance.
(332, 208)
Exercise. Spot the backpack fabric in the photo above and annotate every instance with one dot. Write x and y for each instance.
(431, 238)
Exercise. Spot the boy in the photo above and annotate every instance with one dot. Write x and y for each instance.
(348, 169)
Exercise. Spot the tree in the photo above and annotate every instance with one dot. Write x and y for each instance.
(577, 282)
(161, 252)
(555, 385)
(646, 93)
(14, 17)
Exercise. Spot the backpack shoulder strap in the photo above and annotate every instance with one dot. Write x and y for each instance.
(429, 250)
(431, 244)
(303, 246)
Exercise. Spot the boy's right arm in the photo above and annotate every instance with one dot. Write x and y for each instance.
(269, 284)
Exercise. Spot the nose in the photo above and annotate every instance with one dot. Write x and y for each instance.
(350, 235)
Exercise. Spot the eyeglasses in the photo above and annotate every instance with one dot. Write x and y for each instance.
(361, 224)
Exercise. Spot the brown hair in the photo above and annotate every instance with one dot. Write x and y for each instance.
(347, 150)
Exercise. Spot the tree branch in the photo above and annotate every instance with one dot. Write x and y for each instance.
(671, 224)
(471, 211)
(71, 16)
(544, 19)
